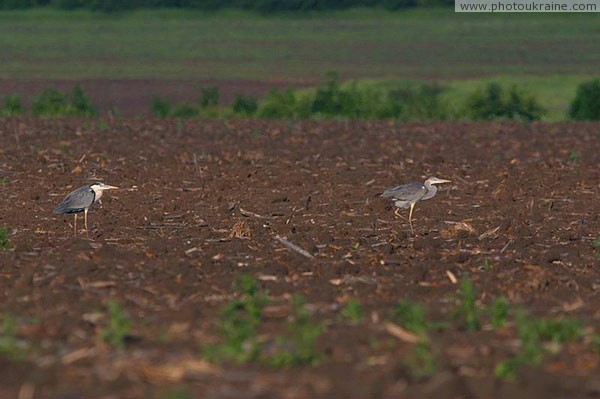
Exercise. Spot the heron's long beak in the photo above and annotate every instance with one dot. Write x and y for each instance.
(438, 181)
(107, 187)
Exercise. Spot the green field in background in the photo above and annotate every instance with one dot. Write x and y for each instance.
(170, 44)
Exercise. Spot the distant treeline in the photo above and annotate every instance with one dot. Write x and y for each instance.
(263, 6)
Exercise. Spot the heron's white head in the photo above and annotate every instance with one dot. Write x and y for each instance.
(435, 180)
(98, 188)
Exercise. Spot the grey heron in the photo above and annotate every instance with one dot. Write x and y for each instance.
(408, 195)
(81, 199)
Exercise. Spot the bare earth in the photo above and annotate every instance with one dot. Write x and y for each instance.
(522, 198)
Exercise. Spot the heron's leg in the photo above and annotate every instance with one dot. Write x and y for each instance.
(412, 205)
(85, 218)
(75, 225)
(396, 212)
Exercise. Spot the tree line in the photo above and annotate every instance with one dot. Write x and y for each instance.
(262, 6)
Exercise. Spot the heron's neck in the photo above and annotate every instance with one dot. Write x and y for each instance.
(431, 190)
(97, 194)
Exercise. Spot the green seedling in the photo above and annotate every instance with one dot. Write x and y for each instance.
(65, 147)
(596, 341)
(532, 334)
(574, 157)
(4, 243)
(559, 330)
(298, 347)
(119, 326)
(597, 246)
(353, 311)
(238, 325)
(9, 345)
(178, 393)
(468, 310)
(422, 361)
(411, 316)
(102, 125)
(530, 348)
(499, 312)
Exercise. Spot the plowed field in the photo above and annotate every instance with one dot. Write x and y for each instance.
(202, 202)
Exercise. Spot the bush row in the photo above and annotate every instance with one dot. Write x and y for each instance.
(207, 106)
(412, 102)
(263, 6)
(51, 102)
(336, 100)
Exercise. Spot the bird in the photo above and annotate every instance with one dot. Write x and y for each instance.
(81, 199)
(408, 195)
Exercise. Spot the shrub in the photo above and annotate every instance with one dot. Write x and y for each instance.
(422, 103)
(586, 105)
(11, 106)
(244, 105)
(184, 110)
(333, 100)
(160, 108)
(56, 103)
(495, 102)
(329, 98)
(81, 105)
(355, 101)
(350, 101)
(283, 104)
(210, 97)
(50, 103)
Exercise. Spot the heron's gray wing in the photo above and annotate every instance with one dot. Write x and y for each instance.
(407, 192)
(76, 201)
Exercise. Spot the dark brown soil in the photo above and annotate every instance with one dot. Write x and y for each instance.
(523, 201)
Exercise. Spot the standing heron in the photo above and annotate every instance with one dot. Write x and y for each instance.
(408, 195)
(81, 199)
